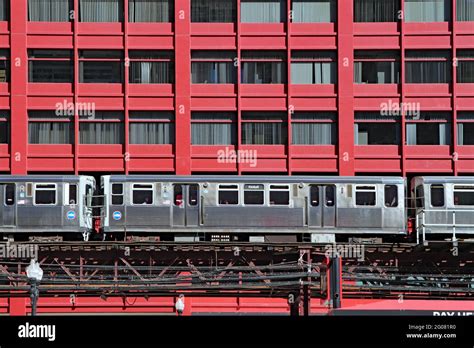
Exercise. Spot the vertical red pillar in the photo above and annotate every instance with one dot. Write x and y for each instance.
(18, 83)
(454, 138)
(17, 306)
(345, 88)
(182, 87)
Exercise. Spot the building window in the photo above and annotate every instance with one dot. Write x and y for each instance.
(430, 128)
(101, 10)
(213, 67)
(228, 194)
(150, 11)
(313, 67)
(4, 127)
(371, 128)
(4, 10)
(376, 67)
(427, 10)
(428, 67)
(151, 127)
(45, 194)
(261, 128)
(45, 127)
(4, 66)
(263, 11)
(366, 195)
(254, 194)
(313, 11)
(213, 128)
(313, 128)
(463, 195)
(437, 195)
(105, 128)
(465, 10)
(149, 67)
(213, 11)
(465, 128)
(465, 66)
(100, 66)
(376, 10)
(50, 10)
(50, 66)
(263, 67)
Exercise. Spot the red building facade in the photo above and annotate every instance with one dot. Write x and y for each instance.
(347, 103)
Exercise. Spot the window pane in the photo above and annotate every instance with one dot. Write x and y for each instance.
(366, 197)
(464, 197)
(4, 132)
(313, 133)
(264, 133)
(10, 194)
(330, 196)
(391, 196)
(372, 71)
(437, 195)
(263, 11)
(314, 196)
(151, 72)
(193, 191)
(228, 197)
(150, 11)
(100, 72)
(279, 197)
(117, 189)
(50, 71)
(142, 196)
(72, 194)
(49, 10)
(213, 72)
(465, 71)
(465, 10)
(101, 10)
(376, 10)
(313, 11)
(377, 133)
(263, 72)
(45, 197)
(253, 197)
(428, 134)
(50, 133)
(101, 133)
(4, 10)
(178, 195)
(465, 133)
(216, 11)
(151, 133)
(427, 10)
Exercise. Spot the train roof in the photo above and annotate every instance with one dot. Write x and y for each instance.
(445, 179)
(40, 178)
(260, 178)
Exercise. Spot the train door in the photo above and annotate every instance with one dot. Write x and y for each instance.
(7, 199)
(322, 206)
(186, 205)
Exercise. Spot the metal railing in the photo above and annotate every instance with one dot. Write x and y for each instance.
(422, 225)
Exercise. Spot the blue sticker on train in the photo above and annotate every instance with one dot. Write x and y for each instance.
(117, 215)
(71, 215)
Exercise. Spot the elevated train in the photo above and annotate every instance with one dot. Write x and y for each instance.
(318, 209)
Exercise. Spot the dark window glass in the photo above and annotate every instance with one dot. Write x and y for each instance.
(279, 197)
(314, 196)
(264, 133)
(72, 194)
(117, 189)
(10, 194)
(419, 197)
(437, 195)
(117, 200)
(427, 67)
(193, 194)
(150, 11)
(178, 195)
(262, 11)
(313, 11)
(50, 10)
(330, 196)
(4, 10)
(465, 10)
(463, 195)
(101, 10)
(100, 66)
(365, 195)
(45, 194)
(391, 196)
(377, 133)
(376, 10)
(213, 11)
(253, 197)
(228, 196)
(427, 10)
(143, 197)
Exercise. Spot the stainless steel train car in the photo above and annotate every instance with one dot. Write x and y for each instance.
(253, 208)
(45, 204)
(443, 205)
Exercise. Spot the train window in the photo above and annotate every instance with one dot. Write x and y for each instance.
(228, 194)
(10, 194)
(419, 197)
(279, 195)
(314, 195)
(463, 195)
(45, 194)
(330, 195)
(193, 194)
(142, 194)
(253, 194)
(391, 196)
(365, 195)
(117, 194)
(178, 195)
(72, 194)
(437, 195)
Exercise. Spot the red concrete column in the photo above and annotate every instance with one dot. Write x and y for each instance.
(182, 87)
(18, 86)
(345, 88)
(17, 306)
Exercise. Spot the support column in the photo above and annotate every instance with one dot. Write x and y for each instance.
(335, 281)
(18, 86)
(182, 87)
(345, 88)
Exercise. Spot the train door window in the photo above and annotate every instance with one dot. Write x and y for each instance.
(178, 195)
(437, 195)
(253, 194)
(419, 197)
(314, 195)
(279, 195)
(193, 194)
(391, 196)
(228, 194)
(365, 195)
(117, 194)
(72, 199)
(10, 194)
(330, 195)
(45, 194)
(143, 194)
(463, 195)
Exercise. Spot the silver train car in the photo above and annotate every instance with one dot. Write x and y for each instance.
(443, 205)
(253, 208)
(45, 204)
